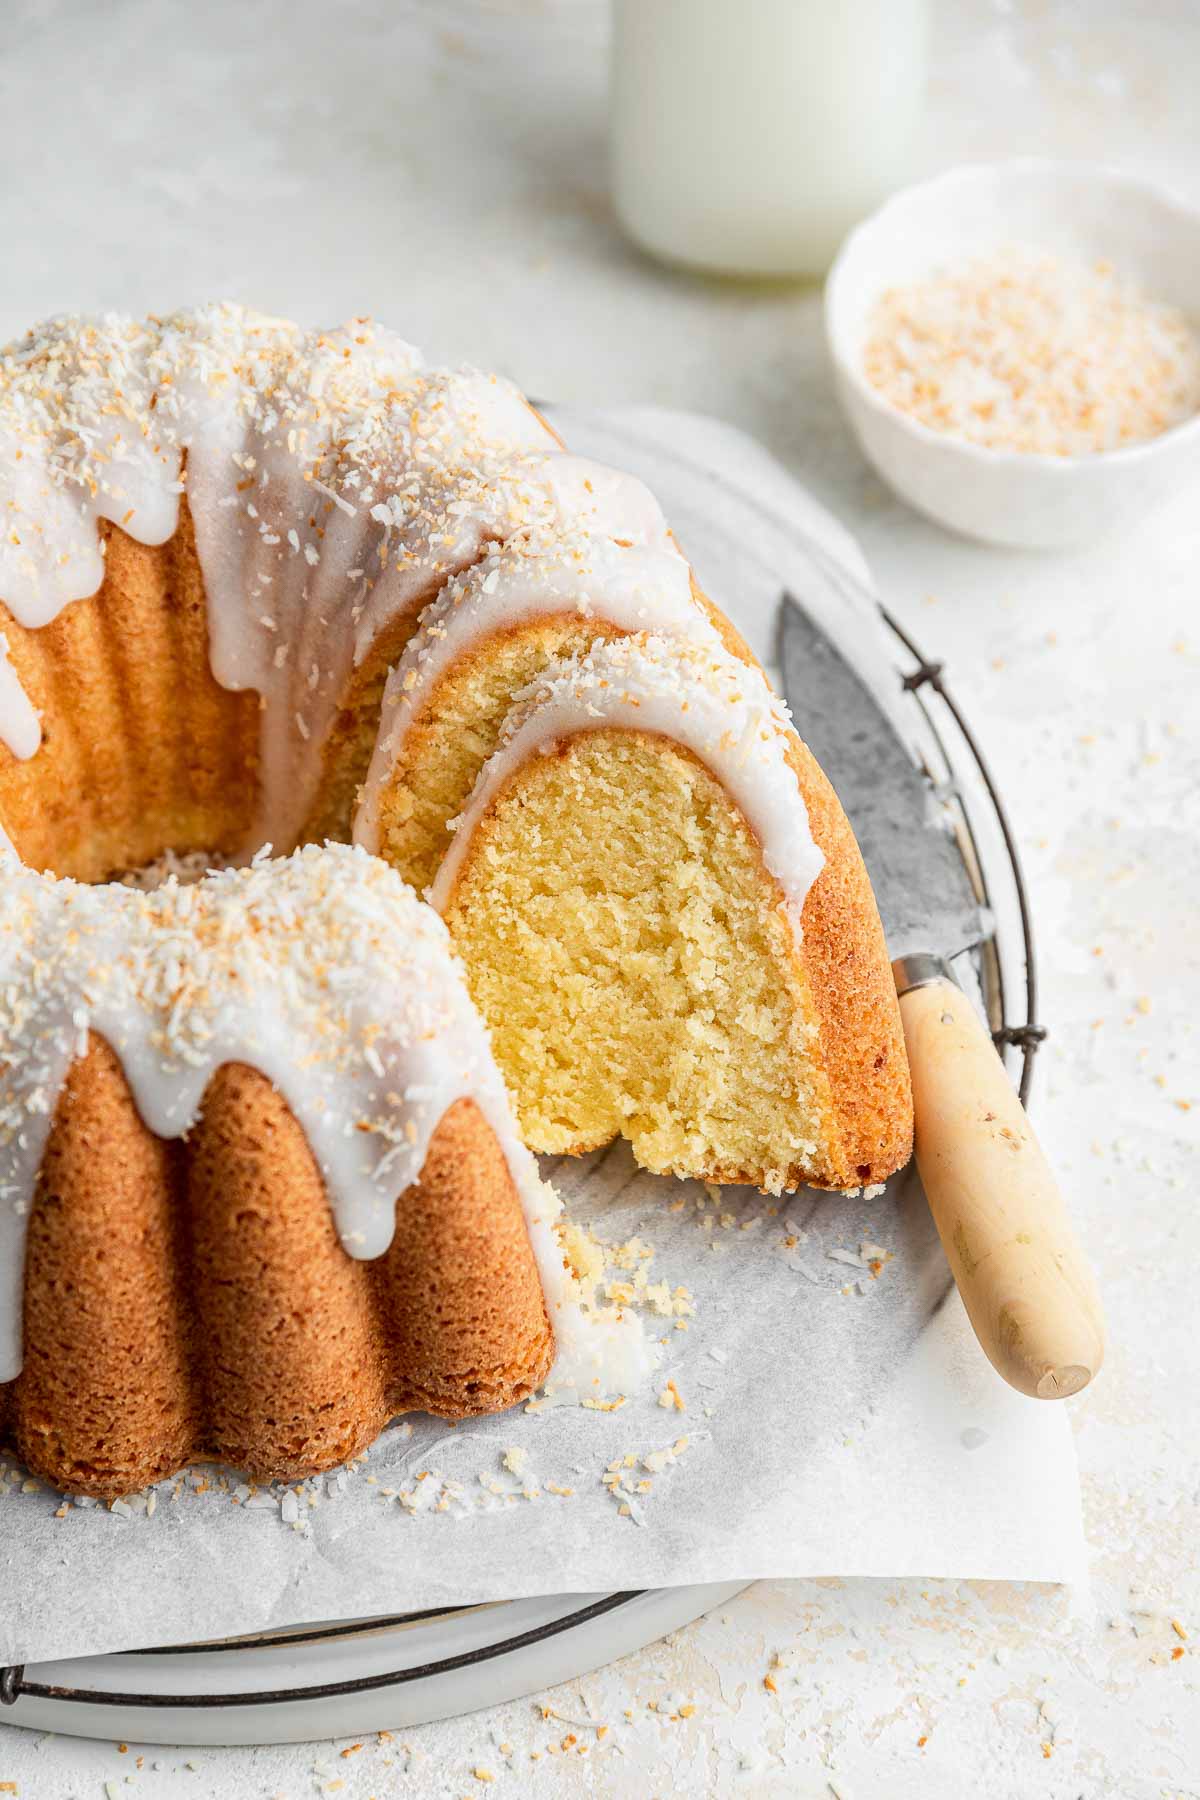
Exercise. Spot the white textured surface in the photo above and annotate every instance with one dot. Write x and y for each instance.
(442, 165)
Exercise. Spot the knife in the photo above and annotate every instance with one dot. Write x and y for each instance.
(1020, 1270)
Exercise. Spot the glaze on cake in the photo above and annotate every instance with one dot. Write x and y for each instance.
(247, 574)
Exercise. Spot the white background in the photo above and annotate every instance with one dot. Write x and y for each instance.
(441, 164)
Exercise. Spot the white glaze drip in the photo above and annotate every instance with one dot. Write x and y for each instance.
(326, 950)
(695, 695)
(635, 588)
(334, 484)
(20, 727)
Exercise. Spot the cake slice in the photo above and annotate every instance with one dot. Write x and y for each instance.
(668, 928)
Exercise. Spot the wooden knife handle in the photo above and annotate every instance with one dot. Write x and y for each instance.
(1022, 1275)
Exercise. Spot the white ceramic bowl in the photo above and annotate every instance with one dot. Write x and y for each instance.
(1003, 496)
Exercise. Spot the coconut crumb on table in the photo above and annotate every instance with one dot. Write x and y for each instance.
(1023, 350)
(630, 1478)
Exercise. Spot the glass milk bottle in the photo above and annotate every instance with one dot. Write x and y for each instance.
(748, 136)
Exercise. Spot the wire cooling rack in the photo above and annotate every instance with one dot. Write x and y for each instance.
(1007, 970)
(944, 719)
(313, 1681)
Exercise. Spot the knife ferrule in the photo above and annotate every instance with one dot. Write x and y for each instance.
(919, 970)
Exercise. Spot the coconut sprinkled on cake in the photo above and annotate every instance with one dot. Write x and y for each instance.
(101, 410)
(184, 870)
(650, 664)
(334, 484)
(189, 967)
(568, 569)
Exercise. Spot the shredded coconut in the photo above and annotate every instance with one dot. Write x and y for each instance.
(1022, 350)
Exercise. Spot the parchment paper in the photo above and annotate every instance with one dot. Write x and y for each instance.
(819, 1410)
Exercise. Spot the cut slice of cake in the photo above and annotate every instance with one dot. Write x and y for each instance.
(668, 928)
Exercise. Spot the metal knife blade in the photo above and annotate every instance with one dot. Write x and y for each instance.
(925, 895)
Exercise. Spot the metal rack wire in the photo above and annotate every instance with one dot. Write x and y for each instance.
(1028, 1035)
(14, 1686)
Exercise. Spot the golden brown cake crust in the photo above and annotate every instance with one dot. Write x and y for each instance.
(142, 750)
(293, 1363)
(459, 1289)
(849, 971)
(846, 962)
(190, 1299)
(106, 1400)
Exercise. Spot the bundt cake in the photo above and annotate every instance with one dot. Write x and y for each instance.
(663, 914)
(264, 587)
